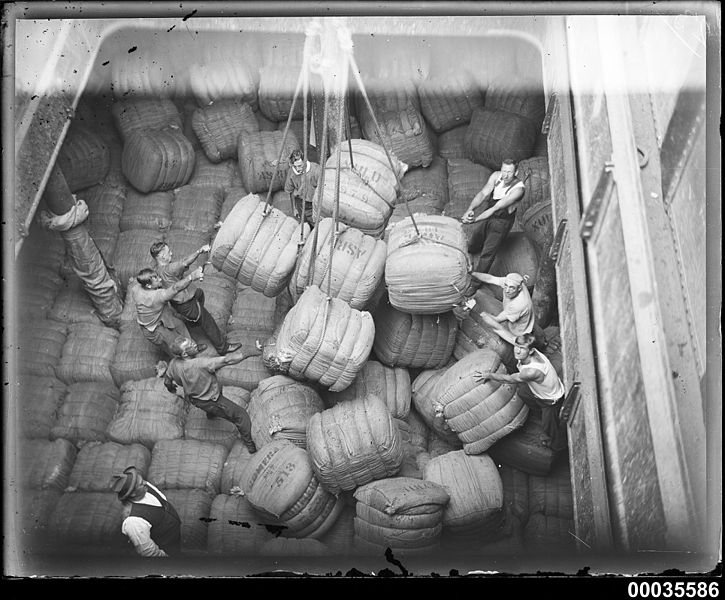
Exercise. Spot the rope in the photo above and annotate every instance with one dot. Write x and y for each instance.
(349, 133)
(305, 136)
(251, 241)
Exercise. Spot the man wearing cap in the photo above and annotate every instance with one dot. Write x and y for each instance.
(517, 316)
(301, 184)
(196, 376)
(150, 522)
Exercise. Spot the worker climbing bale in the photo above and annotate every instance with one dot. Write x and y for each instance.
(219, 125)
(493, 136)
(198, 426)
(135, 357)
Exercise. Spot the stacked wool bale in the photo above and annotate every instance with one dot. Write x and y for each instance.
(220, 125)
(465, 180)
(135, 357)
(297, 127)
(280, 483)
(409, 467)
(43, 464)
(223, 76)
(400, 513)
(340, 538)
(86, 411)
(534, 172)
(147, 211)
(84, 157)
(515, 492)
(198, 426)
(448, 100)
(222, 175)
(38, 292)
(219, 295)
(132, 73)
(73, 304)
(233, 468)
(196, 210)
(494, 135)
(451, 144)
(519, 96)
(236, 528)
(41, 347)
(87, 354)
(97, 462)
(39, 398)
(262, 159)
(194, 508)
(427, 406)
(277, 84)
(424, 191)
(526, 449)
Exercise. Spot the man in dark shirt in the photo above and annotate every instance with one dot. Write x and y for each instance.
(301, 184)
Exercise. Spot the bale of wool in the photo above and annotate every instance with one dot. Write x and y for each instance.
(403, 131)
(479, 413)
(297, 126)
(193, 507)
(219, 291)
(196, 209)
(277, 84)
(149, 69)
(324, 340)
(517, 254)
(232, 196)
(97, 463)
(448, 100)
(135, 357)
(426, 404)
(258, 154)
(451, 143)
(87, 354)
(439, 445)
(427, 269)
(420, 206)
(41, 347)
(465, 180)
(223, 78)
(280, 483)
(252, 317)
(293, 547)
(280, 409)
(429, 182)
(515, 491)
(187, 464)
(417, 429)
(256, 249)
(475, 490)
(390, 384)
(246, 374)
(147, 413)
(235, 527)
(507, 540)
(38, 293)
(157, 160)
(264, 123)
(353, 267)
(73, 304)
(552, 495)
(353, 443)
(38, 401)
(340, 537)
(526, 449)
(42, 248)
(550, 535)
(493, 136)
(44, 464)
(147, 211)
(516, 95)
(413, 341)
(219, 125)
(86, 412)
(132, 253)
(84, 158)
(115, 176)
(234, 466)
(368, 187)
(37, 508)
(200, 427)
(534, 172)
(144, 114)
(221, 175)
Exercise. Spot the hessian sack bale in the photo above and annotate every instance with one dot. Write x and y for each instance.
(516, 95)
(280, 409)
(144, 114)
(41, 347)
(234, 466)
(187, 464)
(448, 100)
(257, 250)
(293, 547)
(198, 426)
(550, 535)
(87, 354)
(340, 537)
(135, 357)
(552, 495)
(235, 527)
(39, 398)
(465, 180)
(97, 463)
(399, 496)
(515, 491)
(193, 507)
(534, 172)
(480, 413)
(526, 449)
(258, 153)
(86, 412)
(84, 158)
(105, 206)
(88, 523)
(429, 182)
(146, 211)
(196, 209)
(417, 429)
(354, 443)
(221, 175)
(73, 304)
(222, 78)
(38, 294)
(44, 464)
(427, 270)
(451, 143)
(493, 136)
(33, 520)
(357, 261)
(277, 84)
(324, 340)
(246, 374)
(252, 317)
(427, 405)
(219, 125)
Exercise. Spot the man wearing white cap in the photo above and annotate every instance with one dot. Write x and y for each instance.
(517, 316)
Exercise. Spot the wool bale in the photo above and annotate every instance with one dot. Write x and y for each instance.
(97, 462)
(219, 125)
(517, 254)
(413, 341)
(87, 354)
(417, 428)
(353, 443)
(439, 445)
(145, 70)
(390, 384)
(84, 158)
(196, 209)
(448, 100)
(256, 249)
(115, 176)
(479, 413)
(277, 84)
(221, 175)
(552, 495)
(403, 131)
(517, 95)
(280, 483)
(147, 211)
(526, 449)
(515, 491)
(534, 172)
(368, 186)
(219, 291)
(427, 269)
(544, 296)
(232, 196)
(147, 413)
(86, 412)
(135, 357)
(354, 267)
(427, 404)
(264, 123)
(475, 490)
(222, 77)
(73, 304)
(44, 464)
(280, 409)
(420, 206)
(44, 249)
(293, 547)
(549, 535)
(193, 507)
(297, 126)
(493, 136)
(259, 154)
(451, 143)
(234, 466)
(200, 427)
(465, 180)
(235, 527)
(324, 340)
(36, 508)
(252, 317)
(132, 253)
(246, 374)
(340, 537)
(144, 114)
(38, 293)
(429, 182)
(187, 464)
(398, 497)
(40, 349)
(38, 401)
(157, 160)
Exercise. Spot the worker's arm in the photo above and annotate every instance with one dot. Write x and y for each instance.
(168, 293)
(479, 198)
(487, 278)
(512, 197)
(525, 377)
(233, 358)
(187, 262)
(138, 530)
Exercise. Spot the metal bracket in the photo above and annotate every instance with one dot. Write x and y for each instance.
(558, 240)
(546, 124)
(601, 194)
(571, 403)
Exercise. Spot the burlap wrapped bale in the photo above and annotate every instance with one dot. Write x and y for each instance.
(73, 304)
(235, 527)
(297, 126)
(135, 357)
(157, 160)
(218, 127)
(252, 317)
(38, 290)
(223, 77)
(448, 100)
(324, 340)
(548, 535)
(279, 482)
(257, 250)
(277, 84)
(193, 507)
(222, 175)
(520, 96)
(115, 176)
(517, 254)
(427, 269)
(526, 449)
(429, 182)
(340, 537)
(413, 341)
(40, 347)
(87, 354)
(187, 464)
(132, 253)
(232, 196)
(38, 401)
(368, 191)
(144, 114)
(390, 384)
(353, 443)
(357, 261)
(43, 464)
(43, 248)
(424, 205)
(438, 446)
(293, 547)
(534, 172)
(417, 429)
(475, 490)
(147, 211)
(451, 144)
(258, 153)
(264, 123)
(146, 69)
(98, 462)
(515, 491)
(480, 413)
(280, 409)
(37, 506)
(84, 158)
(196, 209)
(147, 413)
(493, 136)
(86, 412)
(234, 466)
(426, 404)
(552, 495)
(246, 374)
(218, 431)
(219, 291)
(465, 180)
